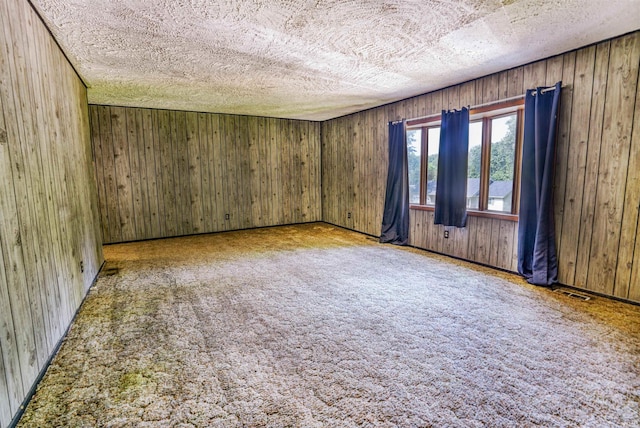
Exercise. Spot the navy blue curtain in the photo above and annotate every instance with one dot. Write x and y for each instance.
(537, 258)
(395, 219)
(451, 189)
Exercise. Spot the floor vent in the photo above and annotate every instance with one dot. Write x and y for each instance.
(573, 294)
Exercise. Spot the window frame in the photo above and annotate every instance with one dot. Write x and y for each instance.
(424, 156)
(485, 114)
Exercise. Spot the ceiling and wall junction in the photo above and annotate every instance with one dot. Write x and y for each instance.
(311, 60)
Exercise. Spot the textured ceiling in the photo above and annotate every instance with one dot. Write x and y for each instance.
(313, 59)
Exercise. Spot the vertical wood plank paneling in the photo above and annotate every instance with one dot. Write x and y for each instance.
(277, 190)
(12, 338)
(169, 219)
(515, 78)
(245, 180)
(351, 149)
(139, 216)
(218, 176)
(315, 164)
(194, 173)
(99, 172)
(358, 197)
(334, 192)
(494, 246)
(368, 189)
(629, 288)
(305, 145)
(505, 246)
(263, 171)
(182, 177)
(381, 134)
(146, 219)
(561, 68)
(593, 161)
(342, 148)
(110, 186)
(35, 228)
(514, 257)
(575, 164)
(234, 151)
(614, 160)
(67, 253)
(209, 221)
(18, 213)
(535, 75)
(183, 171)
(503, 84)
(254, 173)
(49, 223)
(5, 407)
(634, 284)
(325, 176)
(416, 228)
(284, 137)
(373, 168)
(554, 69)
(241, 160)
(472, 225)
(483, 240)
(123, 173)
(296, 172)
(58, 275)
(223, 176)
(158, 171)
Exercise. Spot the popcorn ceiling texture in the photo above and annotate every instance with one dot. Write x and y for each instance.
(311, 59)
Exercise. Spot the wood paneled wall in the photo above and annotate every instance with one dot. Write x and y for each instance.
(168, 173)
(597, 184)
(50, 248)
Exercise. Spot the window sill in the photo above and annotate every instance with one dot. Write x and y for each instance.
(485, 214)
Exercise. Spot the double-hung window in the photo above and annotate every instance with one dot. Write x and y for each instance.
(493, 169)
(423, 144)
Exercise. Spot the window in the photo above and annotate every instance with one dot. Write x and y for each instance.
(433, 145)
(493, 169)
(422, 150)
(414, 149)
(474, 165)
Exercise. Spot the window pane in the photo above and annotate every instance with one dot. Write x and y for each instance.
(503, 149)
(413, 152)
(433, 145)
(474, 165)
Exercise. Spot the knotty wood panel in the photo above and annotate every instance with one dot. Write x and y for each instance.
(50, 247)
(199, 167)
(597, 186)
(610, 246)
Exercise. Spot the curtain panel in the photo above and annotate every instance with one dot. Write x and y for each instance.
(451, 187)
(395, 219)
(537, 258)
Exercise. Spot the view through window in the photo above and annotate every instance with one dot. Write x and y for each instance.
(494, 146)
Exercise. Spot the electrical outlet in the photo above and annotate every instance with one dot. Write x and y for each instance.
(446, 234)
(348, 215)
(226, 216)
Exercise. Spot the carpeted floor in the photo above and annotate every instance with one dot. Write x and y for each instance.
(315, 326)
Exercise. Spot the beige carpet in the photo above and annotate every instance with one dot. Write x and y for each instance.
(314, 326)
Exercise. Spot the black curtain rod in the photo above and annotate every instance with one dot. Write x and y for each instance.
(504, 100)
